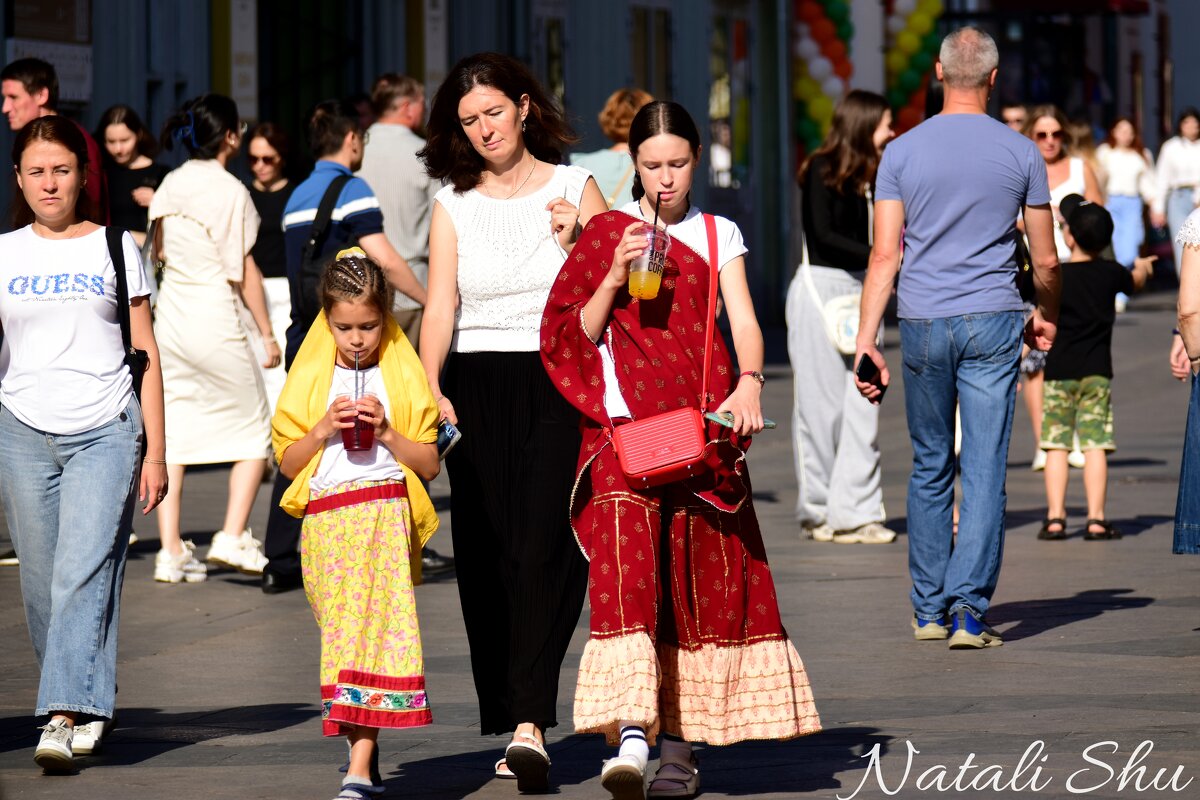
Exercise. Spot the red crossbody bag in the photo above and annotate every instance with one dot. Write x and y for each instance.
(669, 447)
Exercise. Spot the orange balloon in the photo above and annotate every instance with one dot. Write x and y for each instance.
(843, 69)
(810, 11)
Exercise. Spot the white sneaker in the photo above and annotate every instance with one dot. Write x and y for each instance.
(133, 538)
(624, 777)
(871, 533)
(170, 568)
(818, 533)
(243, 553)
(1039, 461)
(89, 735)
(53, 752)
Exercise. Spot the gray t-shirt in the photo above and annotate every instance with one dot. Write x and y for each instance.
(963, 179)
(397, 177)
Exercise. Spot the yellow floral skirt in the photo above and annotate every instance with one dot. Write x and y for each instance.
(354, 552)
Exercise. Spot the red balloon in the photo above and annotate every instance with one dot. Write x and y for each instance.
(917, 101)
(909, 118)
(810, 11)
(834, 50)
(843, 69)
(823, 30)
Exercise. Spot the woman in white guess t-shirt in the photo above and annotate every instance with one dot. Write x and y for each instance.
(72, 430)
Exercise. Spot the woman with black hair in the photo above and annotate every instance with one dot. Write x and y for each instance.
(129, 150)
(216, 406)
(686, 639)
(500, 231)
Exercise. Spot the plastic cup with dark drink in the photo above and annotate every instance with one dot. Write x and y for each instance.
(362, 435)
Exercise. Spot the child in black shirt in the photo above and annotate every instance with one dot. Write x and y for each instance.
(1078, 398)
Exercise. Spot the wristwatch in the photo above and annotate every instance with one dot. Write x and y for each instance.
(753, 373)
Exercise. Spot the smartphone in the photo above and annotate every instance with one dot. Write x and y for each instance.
(726, 418)
(867, 372)
(448, 436)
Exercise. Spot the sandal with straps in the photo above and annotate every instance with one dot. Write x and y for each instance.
(501, 770)
(359, 791)
(1107, 532)
(527, 759)
(676, 779)
(1045, 534)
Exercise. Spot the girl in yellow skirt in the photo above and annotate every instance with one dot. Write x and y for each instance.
(364, 522)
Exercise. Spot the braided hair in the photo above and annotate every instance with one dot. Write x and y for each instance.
(353, 277)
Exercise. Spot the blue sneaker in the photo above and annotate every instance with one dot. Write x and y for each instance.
(968, 633)
(929, 629)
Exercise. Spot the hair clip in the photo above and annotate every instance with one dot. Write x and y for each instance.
(355, 252)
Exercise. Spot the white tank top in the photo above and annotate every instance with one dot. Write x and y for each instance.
(1074, 184)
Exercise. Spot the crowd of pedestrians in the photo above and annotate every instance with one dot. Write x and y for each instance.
(472, 284)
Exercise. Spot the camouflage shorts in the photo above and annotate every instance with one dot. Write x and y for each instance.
(1082, 407)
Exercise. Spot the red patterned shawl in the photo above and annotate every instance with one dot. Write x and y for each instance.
(657, 347)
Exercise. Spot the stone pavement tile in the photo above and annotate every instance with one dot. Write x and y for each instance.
(218, 681)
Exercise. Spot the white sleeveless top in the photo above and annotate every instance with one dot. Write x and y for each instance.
(1074, 184)
(508, 259)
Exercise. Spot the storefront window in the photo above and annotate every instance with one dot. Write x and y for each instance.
(729, 103)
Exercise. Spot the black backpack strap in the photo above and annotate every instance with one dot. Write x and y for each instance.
(117, 253)
(320, 226)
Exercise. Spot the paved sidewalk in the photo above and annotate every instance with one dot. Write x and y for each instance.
(219, 682)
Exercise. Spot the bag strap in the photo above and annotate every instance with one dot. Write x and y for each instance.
(320, 226)
(710, 224)
(116, 252)
(612, 198)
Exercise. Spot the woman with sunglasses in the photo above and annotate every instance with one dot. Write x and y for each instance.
(269, 150)
(1047, 127)
(216, 406)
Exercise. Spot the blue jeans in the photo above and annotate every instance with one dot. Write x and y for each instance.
(970, 360)
(1128, 229)
(69, 503)
(1187, 508)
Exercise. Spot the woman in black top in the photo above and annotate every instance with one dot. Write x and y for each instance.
(834, 428)
(129, 151)
(268, 155)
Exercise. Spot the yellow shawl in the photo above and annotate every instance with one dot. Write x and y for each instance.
(413, 413)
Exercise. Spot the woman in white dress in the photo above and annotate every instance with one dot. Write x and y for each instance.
(216, 406)
(1178, 178)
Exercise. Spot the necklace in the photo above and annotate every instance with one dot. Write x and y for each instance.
(514, 191)
(70, 232)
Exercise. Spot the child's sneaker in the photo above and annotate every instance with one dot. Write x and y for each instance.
(183, 567)
(968, 633)
(53, 752)
(243, 552)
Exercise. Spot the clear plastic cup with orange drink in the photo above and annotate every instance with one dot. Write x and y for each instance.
(645, 271)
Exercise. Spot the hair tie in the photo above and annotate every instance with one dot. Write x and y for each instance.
(356, 252)
(188, 130)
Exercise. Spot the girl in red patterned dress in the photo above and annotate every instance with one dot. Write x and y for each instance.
(686, 639)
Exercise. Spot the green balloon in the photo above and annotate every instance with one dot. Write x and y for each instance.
(845, 30)
(808, 129)
(838, 11)
(897, 98)
(910, 81)
(813, 143)
(921, 62)
(932, 43)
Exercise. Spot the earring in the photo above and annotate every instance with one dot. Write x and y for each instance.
(522, 126)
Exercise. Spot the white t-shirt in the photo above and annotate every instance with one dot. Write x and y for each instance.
(339, 466)
(62, 363)
(691, 231)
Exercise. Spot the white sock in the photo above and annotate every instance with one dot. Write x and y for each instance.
(633, 743)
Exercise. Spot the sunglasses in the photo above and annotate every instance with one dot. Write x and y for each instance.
(268, 161)
(1055, 135)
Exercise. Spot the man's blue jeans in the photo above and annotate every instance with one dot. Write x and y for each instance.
(970, 360)
(68, 500)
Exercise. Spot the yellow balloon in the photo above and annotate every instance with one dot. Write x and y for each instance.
(897, 62)
(820, 108)
(920, 23)
(931, 7)
(908, 42)
(807, 89)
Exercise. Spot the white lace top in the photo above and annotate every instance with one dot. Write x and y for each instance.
(1189, 231)
(507, 260)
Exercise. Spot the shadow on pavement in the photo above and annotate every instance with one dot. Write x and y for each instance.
(1035, 617)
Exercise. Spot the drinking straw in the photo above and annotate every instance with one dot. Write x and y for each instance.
(357, 392)
(657, 200)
